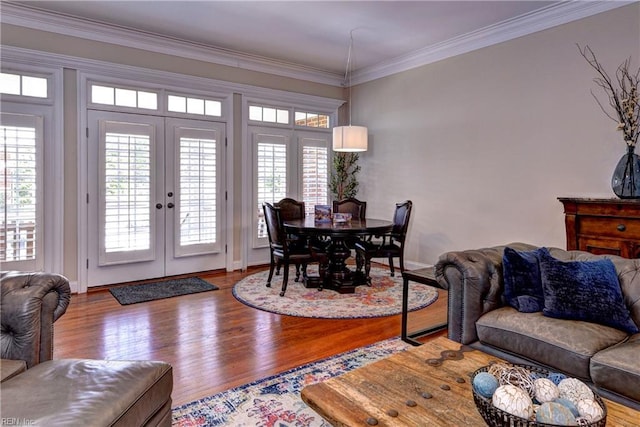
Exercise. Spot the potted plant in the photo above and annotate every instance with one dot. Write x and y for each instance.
(344, 183)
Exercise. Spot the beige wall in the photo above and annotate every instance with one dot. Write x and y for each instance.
(485, 142)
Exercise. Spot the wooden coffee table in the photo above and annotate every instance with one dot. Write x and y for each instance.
(423, 386)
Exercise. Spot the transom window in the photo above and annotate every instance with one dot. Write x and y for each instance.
(191, 105)
(264, 114)
(314, 120)
(123, 97)
(24, 85)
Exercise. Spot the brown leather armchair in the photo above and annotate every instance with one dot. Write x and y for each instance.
(39, 391)
(30, 303)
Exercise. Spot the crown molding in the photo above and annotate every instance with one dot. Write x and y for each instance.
(14, 56)
(548, 17)
(37, 19)
(542, 19)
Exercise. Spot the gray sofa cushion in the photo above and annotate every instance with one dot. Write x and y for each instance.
(81, 392)
(616, 368)
(566, 345)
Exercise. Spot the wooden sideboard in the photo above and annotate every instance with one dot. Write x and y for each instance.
(603, 226)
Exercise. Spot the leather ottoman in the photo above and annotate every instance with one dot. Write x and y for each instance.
(80, 392)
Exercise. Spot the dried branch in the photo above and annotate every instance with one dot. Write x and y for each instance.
(623, 96)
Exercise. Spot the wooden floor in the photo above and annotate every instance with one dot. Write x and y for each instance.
(213, 341)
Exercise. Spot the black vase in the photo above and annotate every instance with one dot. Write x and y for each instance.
(626, 176)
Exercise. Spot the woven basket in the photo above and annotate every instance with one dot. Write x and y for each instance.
(497, 418)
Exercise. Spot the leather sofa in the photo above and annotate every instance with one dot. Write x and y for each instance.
(39, 391)
(605, 357)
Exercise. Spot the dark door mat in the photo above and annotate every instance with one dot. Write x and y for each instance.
(134, 294)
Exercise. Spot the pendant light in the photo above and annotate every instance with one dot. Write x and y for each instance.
(349, 138)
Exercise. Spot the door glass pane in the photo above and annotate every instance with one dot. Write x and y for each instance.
(198, 191)
(127, 186)
(18, 196)
(315, 175)
(272, 178)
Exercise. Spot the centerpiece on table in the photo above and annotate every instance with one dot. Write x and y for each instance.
(623, 100)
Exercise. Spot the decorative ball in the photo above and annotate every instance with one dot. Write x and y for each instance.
(545, 390)
(556, 377)
(513, 400)
(590, 409)
(485, 384)
(574, 390)
(555, 413)
(569, 404)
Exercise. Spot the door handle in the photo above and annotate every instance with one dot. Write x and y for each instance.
(170, 205)
(158, 205)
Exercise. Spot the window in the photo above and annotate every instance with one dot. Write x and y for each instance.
(191, 105)
(20, 188)
(313, 120)
(271, 177)
(127, 180)
(24, 85)
(315, 176)
(122, 97)
(268, 114)
(198, 163)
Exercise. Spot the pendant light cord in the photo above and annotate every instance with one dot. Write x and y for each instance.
(349, 72)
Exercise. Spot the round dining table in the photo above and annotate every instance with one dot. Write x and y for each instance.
(334, 271)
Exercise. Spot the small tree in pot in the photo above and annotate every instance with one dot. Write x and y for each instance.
(344, 183)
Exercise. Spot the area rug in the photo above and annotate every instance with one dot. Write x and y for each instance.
(275, 401)
(133, 294)
(382, 298)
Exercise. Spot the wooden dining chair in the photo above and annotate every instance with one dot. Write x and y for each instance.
(291, 209)
(281, 249)
(390, 246)
(357, 208)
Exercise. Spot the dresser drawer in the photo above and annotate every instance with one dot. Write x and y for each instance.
(623, 228)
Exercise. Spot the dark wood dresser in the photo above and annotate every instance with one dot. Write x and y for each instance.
(603, 226)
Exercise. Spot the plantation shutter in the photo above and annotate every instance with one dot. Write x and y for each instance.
(21, 192)
(125, 211)
(315, 175)
(198, 194)
(271, 178)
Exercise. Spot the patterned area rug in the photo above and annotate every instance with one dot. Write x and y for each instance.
(382, 298)
(275, 401)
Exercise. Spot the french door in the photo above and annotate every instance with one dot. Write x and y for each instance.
(286, 163)
(156, 197)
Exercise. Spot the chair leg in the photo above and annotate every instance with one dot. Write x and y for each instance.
(278, 265)
(297, 279)
(272, 266)
(285, 278)
(391, 266)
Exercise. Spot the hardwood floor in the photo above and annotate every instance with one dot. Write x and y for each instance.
(213, 341)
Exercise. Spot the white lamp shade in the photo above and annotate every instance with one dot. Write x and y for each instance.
(350, 138)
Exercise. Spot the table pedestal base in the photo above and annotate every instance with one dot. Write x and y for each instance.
(335, 274)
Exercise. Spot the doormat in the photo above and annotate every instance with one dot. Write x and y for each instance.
(133, 294)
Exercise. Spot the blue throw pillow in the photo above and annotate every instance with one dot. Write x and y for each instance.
(584, 290)
(522, 284)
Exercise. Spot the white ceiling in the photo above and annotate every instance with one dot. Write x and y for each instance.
(313, 36)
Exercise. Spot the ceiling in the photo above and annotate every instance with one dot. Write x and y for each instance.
(313, 36)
